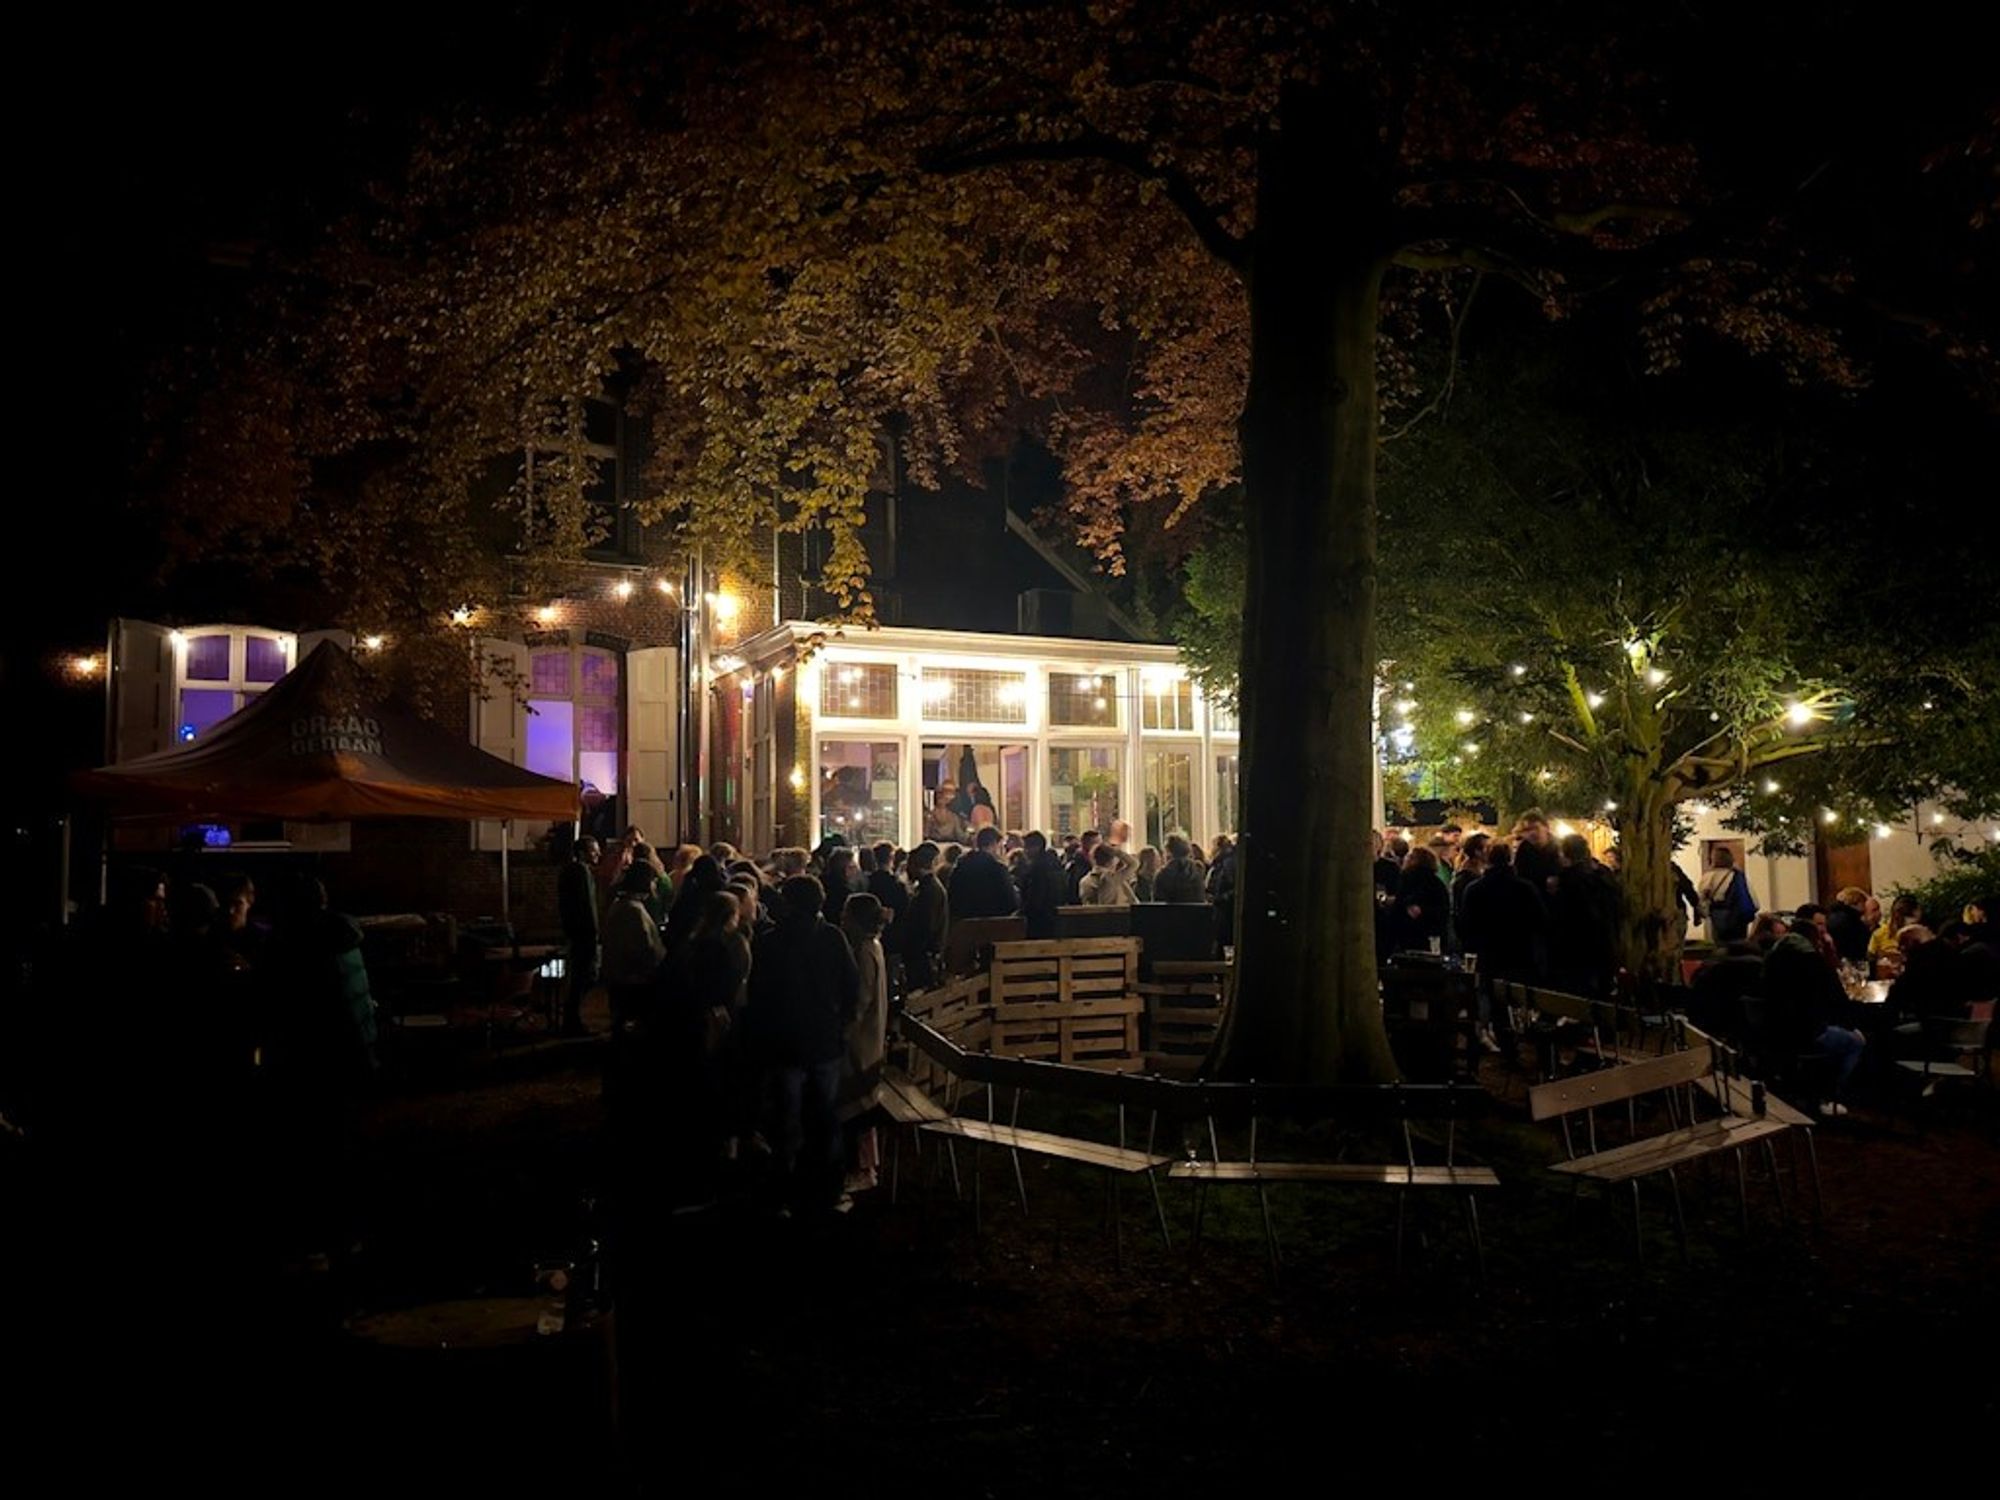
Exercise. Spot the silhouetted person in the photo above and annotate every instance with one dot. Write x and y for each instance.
(576, 902)
(1043, 886)
(981, 885)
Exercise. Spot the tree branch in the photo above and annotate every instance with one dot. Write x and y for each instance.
(1095, 145)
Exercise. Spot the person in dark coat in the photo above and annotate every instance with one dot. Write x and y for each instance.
(703, 879)
(929, 917)
(1471, 865)
(1583, 940)
(1078, 865)
(1422, 904)
(1388, 879)
(702, 991)
(1505, 921)
(842, 878)
(886, 887)
(1222, 889)
(1180, 880)
(1807, 1007)
(981, 885)
(1535, 857)
(576, 903)
(1846, 926)
(1042, 885)
(804, 993)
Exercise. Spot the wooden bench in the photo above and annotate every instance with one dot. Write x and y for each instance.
(1672, 1077)
(1395, 1103)
(909, 1108)
(1185, 1003)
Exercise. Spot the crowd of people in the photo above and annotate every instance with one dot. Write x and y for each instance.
(750, 998)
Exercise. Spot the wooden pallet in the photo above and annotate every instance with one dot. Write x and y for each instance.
(1069, 1000)
(1185, 1001)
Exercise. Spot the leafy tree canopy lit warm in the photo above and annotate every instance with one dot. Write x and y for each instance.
(1169, 237)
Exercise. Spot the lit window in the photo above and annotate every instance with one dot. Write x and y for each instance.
(1083, 700)
(857, 690)
(1084, 784)
(1166, 703)
(861, 790)
(573, 716)
(973, 695)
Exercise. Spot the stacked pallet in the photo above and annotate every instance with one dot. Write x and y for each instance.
(1072, 1000)
(1184, 1006)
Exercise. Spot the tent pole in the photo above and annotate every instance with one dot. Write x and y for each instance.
(506, 892)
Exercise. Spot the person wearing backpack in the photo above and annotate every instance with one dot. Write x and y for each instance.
(1725, 895)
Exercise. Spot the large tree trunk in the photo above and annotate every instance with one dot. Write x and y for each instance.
(1649, 938)
(1306, 1006)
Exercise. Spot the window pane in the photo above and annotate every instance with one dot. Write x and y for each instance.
(600, 424)
(1222, 717)
(552, 738)
(860, 790)
(263, 659)
(1083, 789)
(1168, 703)
(1225, 795)
(599, 769)
(208, 658)
(858, 690)
(600, 676)
(203, 708)
(549, 673)
(1169, 794)
(1086, 699)
(971, 695)
(596, 728)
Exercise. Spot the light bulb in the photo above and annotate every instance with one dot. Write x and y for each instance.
(85, 666)
(1518, 670)
(462, 615)
(1465, 716)
(664, 585)
(1936, 818)
(1526, 717)
(622, 588)
(1404, 705)
(1770, 785)
(1654, 676)
(1829, 817)
(371, 643)
(1799, 715)
(1883, 830)
(1611, 807)
(546, 614)
(1595, 700)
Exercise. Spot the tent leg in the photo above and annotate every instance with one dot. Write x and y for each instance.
(506, 893)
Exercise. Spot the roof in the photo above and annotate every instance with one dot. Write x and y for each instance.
(324, 744)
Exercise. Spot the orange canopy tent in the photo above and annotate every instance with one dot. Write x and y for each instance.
(323, 745)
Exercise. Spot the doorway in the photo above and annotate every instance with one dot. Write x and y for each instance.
(967, 785)
(1837, 866)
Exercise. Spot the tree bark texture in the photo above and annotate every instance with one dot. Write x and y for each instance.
(1306, 1005)
(1649, 937)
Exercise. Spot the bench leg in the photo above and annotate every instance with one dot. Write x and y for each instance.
(1270, 1234)
(1680, 1218)
(1160, 1209)
(1117, 1220)
(895, 1163)
(1742, 1192)
(1478, 1244)
(1020, 1182)
(1402, 1204)
(1638, 1226)
(951, 1155)
(1777, 1186)
(1812, 1160)
(1200, 1206)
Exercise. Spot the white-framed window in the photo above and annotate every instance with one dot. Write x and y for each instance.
(1228, 793)
(858, 690)
(574, 715)
(764, 762)
(1086, 788)
(974, 695)
(1084, 700)
(1169, 791)
(1222, 717)
(1166, 703)
(861, 789)
(220, 668)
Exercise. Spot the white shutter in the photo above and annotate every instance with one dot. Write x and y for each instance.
(652, 744)
(500, 721)
(142, 689)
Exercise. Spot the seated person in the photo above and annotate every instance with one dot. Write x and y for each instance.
(1808, 1008)
(1931, 983)
(1715, 994)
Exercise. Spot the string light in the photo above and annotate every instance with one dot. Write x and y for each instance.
(1465, 716)
(1518, 670)
(1883, 830)
(1927, 705)
(1563, 829)
(1404, 705)
(798, 779)
(622, 588)
(664, 585)
(1798, 715)
(1770, 785)
(85, 666)
(371, 643)
(1611, 807)
(1471, 748)
(1829, 817)
(1936, 819)
(724, 607)
(1526, 717)
(1654, 676)
(546, 614)
(462, 615)
(1595, 700)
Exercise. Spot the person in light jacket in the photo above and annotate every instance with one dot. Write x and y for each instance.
(1109, 882)
(861, 922)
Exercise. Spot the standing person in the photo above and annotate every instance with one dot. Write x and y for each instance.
(1042, 884)
(1148, 871)
(703, 879)
(612, 865)
(1471, 865)
(701, 994)
(1388, 879)
(633, 949)
(929, 918)
(1422, 905)
(841, 879)
(321, 1056)
(1725, 896)
(867, 1040)
(1109, 882)
(1535, 856)
(1120, 837)
(1222, 889)
(804, 993)
(1181, 880)
(576, 904)
(887, 887)
(1079, 864)
(1505, 921)
(943, 823)
(981, 886)
(1584, 939)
